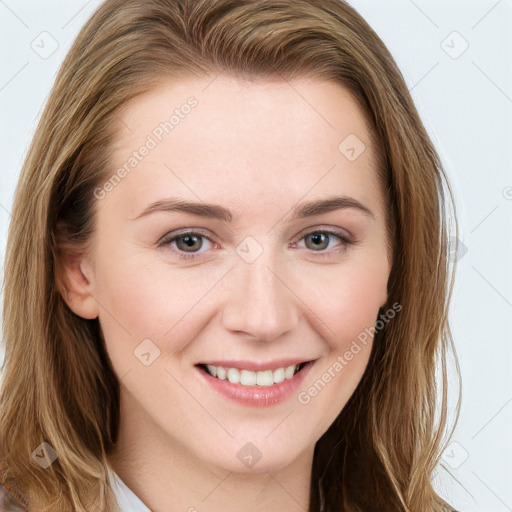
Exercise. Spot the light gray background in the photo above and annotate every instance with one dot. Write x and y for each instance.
(465, 100)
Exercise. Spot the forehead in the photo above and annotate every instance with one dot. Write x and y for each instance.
(236, 139)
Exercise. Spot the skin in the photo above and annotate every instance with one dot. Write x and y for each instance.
(258, 148)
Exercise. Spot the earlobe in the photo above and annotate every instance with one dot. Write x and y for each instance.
(75, 283)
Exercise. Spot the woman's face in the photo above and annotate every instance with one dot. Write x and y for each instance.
(252, 276)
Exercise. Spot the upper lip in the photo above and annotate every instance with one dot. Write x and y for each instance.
(256, 366)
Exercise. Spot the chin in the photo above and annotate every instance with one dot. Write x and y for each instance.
(257, 456)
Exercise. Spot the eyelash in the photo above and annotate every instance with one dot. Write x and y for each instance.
(346, 241)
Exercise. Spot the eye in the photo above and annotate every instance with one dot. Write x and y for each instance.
(321, 239)
(186, 243)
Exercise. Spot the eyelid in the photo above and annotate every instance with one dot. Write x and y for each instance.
(340, 232)
(346, 240)
(180, 232)
(199, 231)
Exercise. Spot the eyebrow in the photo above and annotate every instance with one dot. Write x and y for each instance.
(215, 211)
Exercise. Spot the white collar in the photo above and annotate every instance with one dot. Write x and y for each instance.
(128, 501)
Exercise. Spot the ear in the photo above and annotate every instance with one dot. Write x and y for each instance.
(74, 281)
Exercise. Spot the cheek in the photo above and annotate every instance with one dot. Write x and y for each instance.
(348, 299)
(347, 306)
(349, 316)
(144, 299)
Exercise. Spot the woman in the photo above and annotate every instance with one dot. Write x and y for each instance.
(227, 278)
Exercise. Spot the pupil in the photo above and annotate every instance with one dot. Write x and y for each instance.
(319, 238)
(190, 241)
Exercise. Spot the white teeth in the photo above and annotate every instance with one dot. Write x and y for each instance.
(250, 378)
(289, 372)
(265, 378)
(279, 375)
(233, 375)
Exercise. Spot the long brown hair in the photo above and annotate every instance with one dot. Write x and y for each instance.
(59, 386)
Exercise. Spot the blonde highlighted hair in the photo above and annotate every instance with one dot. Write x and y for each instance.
(59, 386)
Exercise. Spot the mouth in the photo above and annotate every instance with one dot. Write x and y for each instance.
(253, 384)
(246, 377)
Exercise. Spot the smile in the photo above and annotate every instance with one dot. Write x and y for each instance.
(253, 378)
(257, 387)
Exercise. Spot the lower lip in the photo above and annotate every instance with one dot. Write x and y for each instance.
(257, 396)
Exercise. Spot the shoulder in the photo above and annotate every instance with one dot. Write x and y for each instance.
(7, 501)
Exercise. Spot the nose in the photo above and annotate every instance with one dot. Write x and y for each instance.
(260, 301)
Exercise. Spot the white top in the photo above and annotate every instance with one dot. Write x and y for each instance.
(127, 500)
